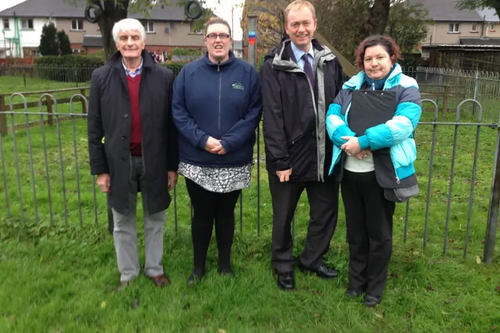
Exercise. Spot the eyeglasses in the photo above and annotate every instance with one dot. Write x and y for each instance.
(222, 36)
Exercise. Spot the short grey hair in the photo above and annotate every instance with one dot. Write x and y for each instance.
(127, 25)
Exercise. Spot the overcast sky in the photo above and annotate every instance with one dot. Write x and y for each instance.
(223, 11)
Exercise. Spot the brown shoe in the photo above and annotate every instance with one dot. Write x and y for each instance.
(160, 280)
(122, 285)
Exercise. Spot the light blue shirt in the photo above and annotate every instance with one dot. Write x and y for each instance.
(138, 71)
(299, 53)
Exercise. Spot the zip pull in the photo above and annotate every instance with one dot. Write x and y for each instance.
(397, 180)
(373, 85)
(218, 66)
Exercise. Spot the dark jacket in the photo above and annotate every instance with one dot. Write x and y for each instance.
(295, 112)
(219, 100)
(110, 118)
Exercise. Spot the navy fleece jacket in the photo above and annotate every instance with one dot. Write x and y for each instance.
(222, 100)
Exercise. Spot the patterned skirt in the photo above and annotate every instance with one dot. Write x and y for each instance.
(219, 180)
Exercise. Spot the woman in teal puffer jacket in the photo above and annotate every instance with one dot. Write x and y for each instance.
(374, 164)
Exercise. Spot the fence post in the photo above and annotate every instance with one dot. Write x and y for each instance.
(252, 28)
(3, 117)
(445, 98)
(84, 106)
(476, 90)
(49, 110)
(491, 228)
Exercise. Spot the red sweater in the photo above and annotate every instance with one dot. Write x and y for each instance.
(136, 130)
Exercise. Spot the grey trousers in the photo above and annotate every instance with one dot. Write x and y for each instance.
(125, 231)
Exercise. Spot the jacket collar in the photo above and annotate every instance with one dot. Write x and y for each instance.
(356, 82)
(228, 62)
(284, 58)
(116, 60)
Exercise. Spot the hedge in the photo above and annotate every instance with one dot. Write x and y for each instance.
(77, 68)
(68, 68)
(174, 67)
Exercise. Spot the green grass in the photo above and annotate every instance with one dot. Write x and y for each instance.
(10, 85)
(55, 279)
(61, 278)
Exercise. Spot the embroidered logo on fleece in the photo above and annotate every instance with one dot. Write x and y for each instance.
(238, 86)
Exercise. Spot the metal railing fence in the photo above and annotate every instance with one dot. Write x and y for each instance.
(46, 177)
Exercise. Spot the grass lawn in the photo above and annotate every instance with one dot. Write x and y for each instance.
(14, 84)
(61, 278)
(11, 84)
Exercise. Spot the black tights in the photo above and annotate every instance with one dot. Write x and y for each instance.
(209, 206)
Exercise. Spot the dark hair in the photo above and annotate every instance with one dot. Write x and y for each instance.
(387, 42)
(216, 20)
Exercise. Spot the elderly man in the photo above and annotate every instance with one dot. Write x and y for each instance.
(133, 147)
(299, 81)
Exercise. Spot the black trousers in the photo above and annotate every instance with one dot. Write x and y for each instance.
(209, 206)
(323, 202)
(369, 219)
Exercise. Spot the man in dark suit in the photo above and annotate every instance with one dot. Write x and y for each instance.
(131, 109)
(299, 81)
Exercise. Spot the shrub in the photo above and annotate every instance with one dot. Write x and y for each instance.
(186, 51)
(174, 67)
(68, 68)
(53, 42)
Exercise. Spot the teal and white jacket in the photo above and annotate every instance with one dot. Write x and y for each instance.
(396, 134)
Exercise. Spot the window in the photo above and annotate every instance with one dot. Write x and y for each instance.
(492, 27)
(26, 24)
(196, 31)
(77, 50)
(77, 25)
(474, 27)
(454, 28)
(149, 26)
(6, 25)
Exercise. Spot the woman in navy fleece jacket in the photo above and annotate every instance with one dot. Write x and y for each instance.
(217, 106)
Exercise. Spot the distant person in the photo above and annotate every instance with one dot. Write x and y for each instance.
(133, 147)
(374, 147)
(217, 107)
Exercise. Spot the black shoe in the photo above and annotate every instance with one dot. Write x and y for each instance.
(322, 271)
(193, 279)
(286, 281)
(227, 272)
(353, 293)
(371, 301)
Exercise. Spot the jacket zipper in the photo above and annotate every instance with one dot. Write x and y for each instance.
(320, 173)
(220, 89)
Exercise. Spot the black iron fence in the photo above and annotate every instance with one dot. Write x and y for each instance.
(46, 178)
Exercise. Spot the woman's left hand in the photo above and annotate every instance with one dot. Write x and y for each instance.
(351, 147)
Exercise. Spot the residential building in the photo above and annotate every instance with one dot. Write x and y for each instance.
(451, 25)
(166, 27)
(467, 39)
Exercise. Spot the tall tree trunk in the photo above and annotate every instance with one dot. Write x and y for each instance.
(111, 12)
(377, 19)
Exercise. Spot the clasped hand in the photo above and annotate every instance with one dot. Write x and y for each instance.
(351, 147)
(214, 146)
